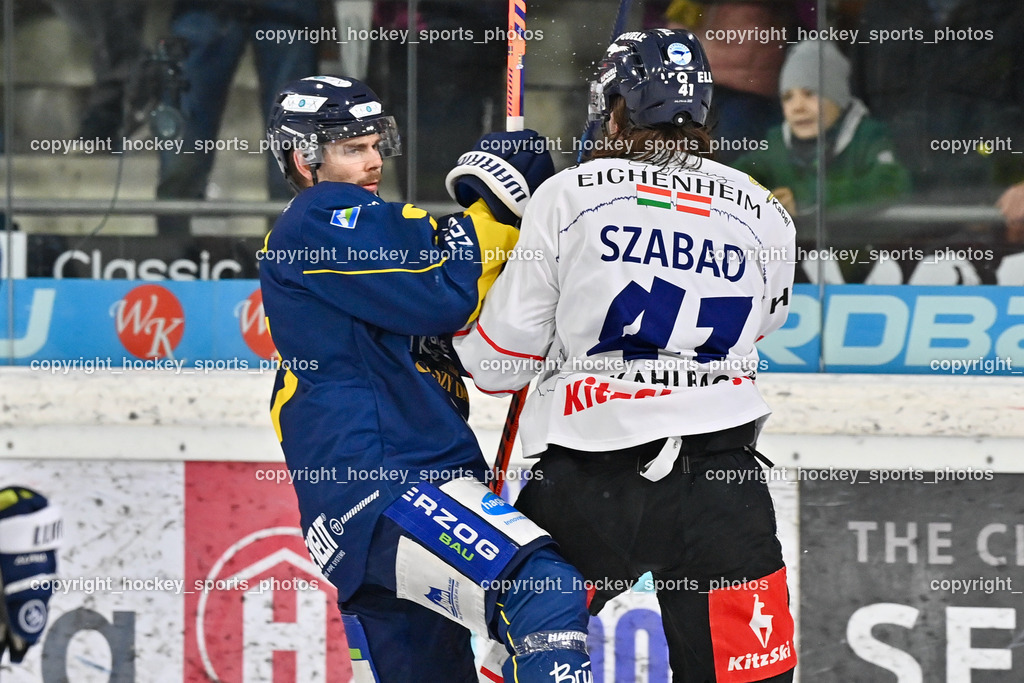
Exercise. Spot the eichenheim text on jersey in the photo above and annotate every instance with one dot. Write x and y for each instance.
(690, 181)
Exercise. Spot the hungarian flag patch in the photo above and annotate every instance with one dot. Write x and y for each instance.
(660, 198)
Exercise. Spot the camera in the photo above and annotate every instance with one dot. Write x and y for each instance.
(154, 95)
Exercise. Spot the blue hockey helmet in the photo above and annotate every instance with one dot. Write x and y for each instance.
(313, 111)
(663, 74)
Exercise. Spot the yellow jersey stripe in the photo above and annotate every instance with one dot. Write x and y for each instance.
(496, 239)
(284, 394)
(372, 272)
(515, 664)
(415, 213)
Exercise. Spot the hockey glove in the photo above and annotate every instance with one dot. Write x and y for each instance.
(30, 531)
(503, 169)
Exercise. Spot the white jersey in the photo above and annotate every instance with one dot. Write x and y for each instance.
(637, 293)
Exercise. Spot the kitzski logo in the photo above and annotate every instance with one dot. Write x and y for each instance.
(596, 395)
(149, 321)
(761, 624)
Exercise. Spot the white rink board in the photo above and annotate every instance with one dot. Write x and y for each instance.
(124, 536)
(124, 440)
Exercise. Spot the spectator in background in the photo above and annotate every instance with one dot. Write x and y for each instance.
(114, 28)
(745, 105)
(859, 161)
(217, 33)
(951, 70)
(1011, 204)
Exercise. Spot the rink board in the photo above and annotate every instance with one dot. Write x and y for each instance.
(168, 478)
(267, 614)
(913, 579)
(975, 330)
(199, 569)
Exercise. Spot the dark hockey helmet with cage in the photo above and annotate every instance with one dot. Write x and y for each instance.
(663, 74)
(313, 111)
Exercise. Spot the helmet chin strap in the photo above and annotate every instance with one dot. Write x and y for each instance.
(309, 158)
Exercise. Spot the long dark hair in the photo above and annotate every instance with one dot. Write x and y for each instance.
(661, 144)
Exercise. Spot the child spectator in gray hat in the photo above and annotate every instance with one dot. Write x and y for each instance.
(859, 162)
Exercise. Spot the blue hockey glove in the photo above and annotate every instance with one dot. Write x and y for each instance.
(503, 169)
(30, 531)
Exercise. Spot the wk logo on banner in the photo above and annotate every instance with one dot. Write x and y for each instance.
(149, 321)
(252, 320)
(658, 197)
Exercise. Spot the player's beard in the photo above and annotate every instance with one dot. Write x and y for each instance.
(372, 179)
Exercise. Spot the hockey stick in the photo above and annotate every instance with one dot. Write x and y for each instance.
(508, 439)
(514, 65)
(513, 123)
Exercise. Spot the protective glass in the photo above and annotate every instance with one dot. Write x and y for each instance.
(388, 145)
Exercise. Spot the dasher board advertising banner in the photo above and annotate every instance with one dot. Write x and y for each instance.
(197, 571)
(220, 325)
(912, 575)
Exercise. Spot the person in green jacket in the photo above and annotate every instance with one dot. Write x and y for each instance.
(860, 165)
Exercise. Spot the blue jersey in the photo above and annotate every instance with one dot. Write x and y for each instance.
(361, 298)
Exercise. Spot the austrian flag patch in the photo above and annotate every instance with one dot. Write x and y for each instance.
(697, 204)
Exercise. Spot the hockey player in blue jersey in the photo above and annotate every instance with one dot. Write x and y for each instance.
(657, 270)
(362, 297)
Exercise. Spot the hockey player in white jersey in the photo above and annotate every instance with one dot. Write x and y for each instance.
(640, 283)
